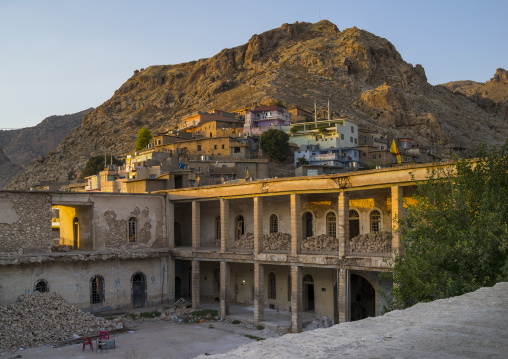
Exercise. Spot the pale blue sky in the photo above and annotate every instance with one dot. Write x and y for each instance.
(60, 57)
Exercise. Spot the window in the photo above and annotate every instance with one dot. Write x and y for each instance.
(356, 141)
(236, 150)
(210, 134)
(375, 221)
(199, 148)
(308, 224)
(96, 289)
(341, 136)
(199, 169)
(41, 286)
(217, 230)
(222, 146)
(331, 225)
(352, 129)
(272, 286)
(214, 147)
(132, 229)
(240, 226)
(354, 223)
(274, 224)
(351, 139)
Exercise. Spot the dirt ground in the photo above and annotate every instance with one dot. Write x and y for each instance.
(158, 340)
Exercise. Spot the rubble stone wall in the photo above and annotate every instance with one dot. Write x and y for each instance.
(379, 242)
(25, 222)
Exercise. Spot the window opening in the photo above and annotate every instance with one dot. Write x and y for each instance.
(274, 224)
(96, 289)
(354, 223)
(272, 286)
(41, 286)
(132, 229)
(217, 231)
(331, 225)
(375, 221)
(240, 226)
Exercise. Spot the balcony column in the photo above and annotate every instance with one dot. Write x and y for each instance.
(171, 223)
(258, 225)
(195, 285)
(224, 289)
(296, 299)
(343, 227)
(296, 224)
(196, 225)
(224, 225)
(259, 293)
(397, 212)
(343, 292)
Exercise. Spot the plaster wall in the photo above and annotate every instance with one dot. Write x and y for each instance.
(84, 214)
(72, 281)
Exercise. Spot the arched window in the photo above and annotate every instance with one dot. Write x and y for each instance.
(240, 226)
(132, 230)
(354, 224)
(217, 231)
(375, 221)
(331, 225)
(272, 286)
(308, 224)
(274, 224)
(97, 289)
(41, 286)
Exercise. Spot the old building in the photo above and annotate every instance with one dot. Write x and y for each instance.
(302, 244)
(262, 118)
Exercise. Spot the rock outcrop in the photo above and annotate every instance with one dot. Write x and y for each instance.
(8, 170)
(363, 75)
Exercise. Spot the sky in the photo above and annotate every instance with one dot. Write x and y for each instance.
(62, 56)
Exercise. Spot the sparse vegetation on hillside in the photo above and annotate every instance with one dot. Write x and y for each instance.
(144, 137)
(275, 144)
(95, 164)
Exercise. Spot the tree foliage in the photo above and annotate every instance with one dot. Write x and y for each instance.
(144, 137)
(95, 164)
(275, 143)
(455, 236)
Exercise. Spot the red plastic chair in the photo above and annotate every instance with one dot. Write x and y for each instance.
(87, 341)
(103, 335)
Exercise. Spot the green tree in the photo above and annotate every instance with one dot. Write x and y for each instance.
(293, 130)
(302, 161)
(95, 164)
(144, 137)
(455, 236)
(275, 144)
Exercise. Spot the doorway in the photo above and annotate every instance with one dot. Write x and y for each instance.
(75, 233)
(138, 290)
(308, 293)
(178, 287)
(363, 298)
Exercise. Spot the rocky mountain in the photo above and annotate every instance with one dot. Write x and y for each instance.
(8, 170)
(363, 75)
(25, 145)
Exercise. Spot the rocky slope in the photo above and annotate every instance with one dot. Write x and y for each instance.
(26, 144)
(8, 170)
(363, 75)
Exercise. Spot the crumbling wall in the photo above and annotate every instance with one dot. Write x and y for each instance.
(25, 222)
(379, 242)
(272, 241)
(320, 243)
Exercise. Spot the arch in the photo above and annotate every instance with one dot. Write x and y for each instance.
(331, 224)
(354, 223)
(239, 226)
(133, 226)
(308, 293)
(178, 234)
(307, 224)
(272, 286)
(375, 221)
(363, 298)
(274, 224)
(217, 231)
(41, 286)
(97, 289)
(75, 233)
(138, 289)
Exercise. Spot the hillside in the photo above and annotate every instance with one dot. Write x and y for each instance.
(26, 144)
(363, 75)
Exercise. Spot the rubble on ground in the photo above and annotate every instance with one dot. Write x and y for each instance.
(45, 318)
(323, 322)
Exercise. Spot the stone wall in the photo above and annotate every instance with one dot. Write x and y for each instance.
(380, 242)
(25, 222)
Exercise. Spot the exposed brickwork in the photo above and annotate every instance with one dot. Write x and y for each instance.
(117, 235)
(25, 222)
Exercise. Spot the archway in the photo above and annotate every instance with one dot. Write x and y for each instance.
(308, 293)
(363, 298)
(138, 290)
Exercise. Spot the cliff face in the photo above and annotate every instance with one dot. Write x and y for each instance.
(363, 76)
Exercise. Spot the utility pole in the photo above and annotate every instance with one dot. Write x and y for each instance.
(315, 111)
(329, 109)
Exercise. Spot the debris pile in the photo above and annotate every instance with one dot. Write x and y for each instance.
(277, 241)
(44, 318)
(323, 322)
(378, 242)
(245, 241)
(320, 243)
(61, 248)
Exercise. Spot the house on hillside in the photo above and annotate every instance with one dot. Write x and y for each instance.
(191, 122)
(261, 119)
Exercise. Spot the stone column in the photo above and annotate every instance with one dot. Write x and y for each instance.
(296, 299)
(397, 212)
(170, 280)
(258, 225)
(195, 285)
(171, 224)
(296, 224)
(196, 225)
(343, 292)
(224, 225)
(259, 293)
(343, 227)
(224, 289)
